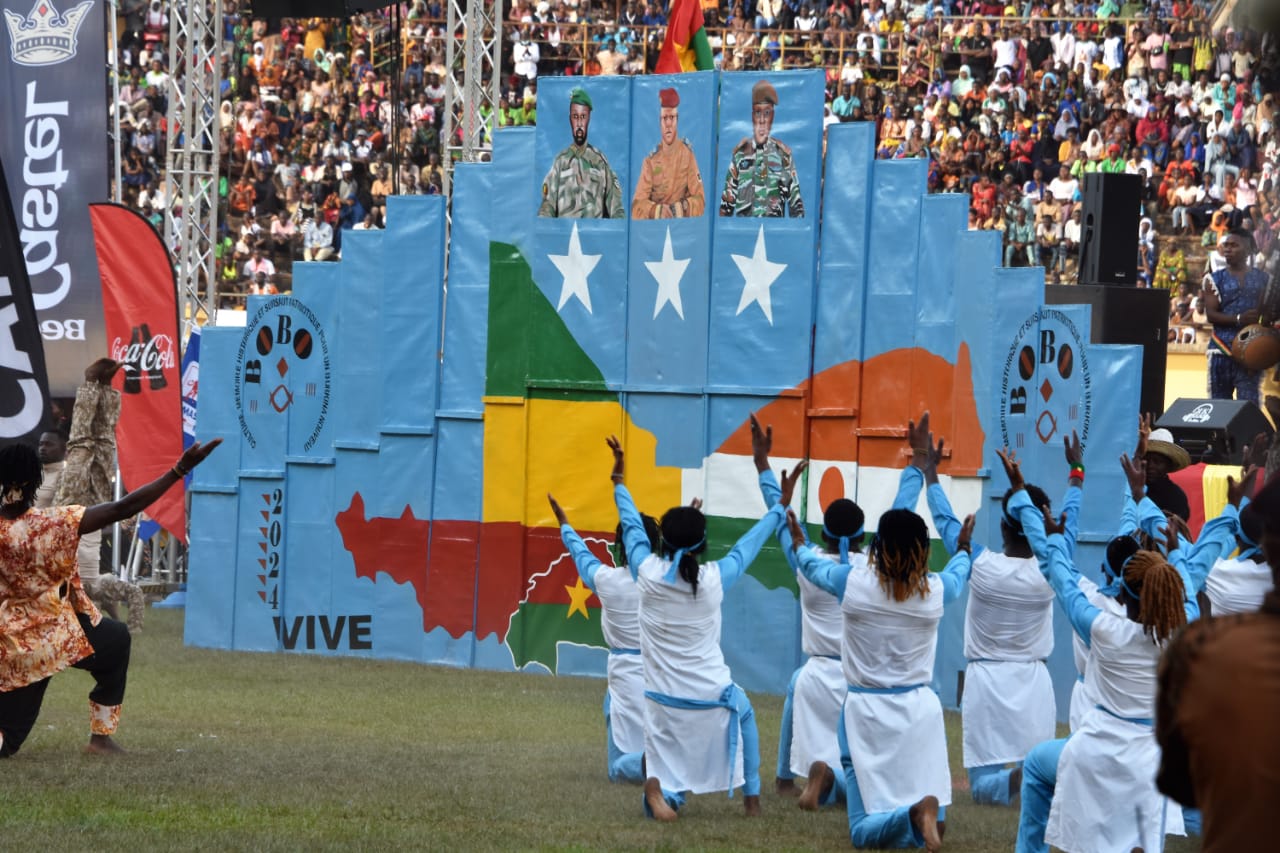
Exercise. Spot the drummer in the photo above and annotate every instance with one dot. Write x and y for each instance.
(1232, 300)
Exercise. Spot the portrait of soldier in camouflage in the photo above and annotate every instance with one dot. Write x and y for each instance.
(762, 173)
(670, 185)
(581, 184)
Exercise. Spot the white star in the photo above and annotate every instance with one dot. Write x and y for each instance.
(758, 274)
(575, 267)
(668, 272)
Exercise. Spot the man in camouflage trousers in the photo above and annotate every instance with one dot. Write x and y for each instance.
(762, 173)
(670, 184)
(84, 479)
(581, 184)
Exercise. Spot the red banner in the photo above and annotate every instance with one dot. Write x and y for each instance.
(139, 300)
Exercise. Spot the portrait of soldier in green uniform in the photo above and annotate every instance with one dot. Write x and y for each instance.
(581, 184)
(762, 173)
(670, 184)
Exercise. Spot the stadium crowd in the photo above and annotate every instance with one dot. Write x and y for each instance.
(1012, 105)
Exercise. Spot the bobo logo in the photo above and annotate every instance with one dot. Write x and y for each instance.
(282, 367)
(1046, 390)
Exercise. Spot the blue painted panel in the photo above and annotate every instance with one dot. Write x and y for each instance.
(467, 313)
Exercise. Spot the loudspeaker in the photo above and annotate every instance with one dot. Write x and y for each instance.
(1109, 229)
(1126, 315)
(1215, 431)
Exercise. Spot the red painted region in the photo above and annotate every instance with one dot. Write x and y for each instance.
(446, 587)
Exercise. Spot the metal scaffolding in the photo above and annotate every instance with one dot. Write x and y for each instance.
(191, 160)
(473, 59)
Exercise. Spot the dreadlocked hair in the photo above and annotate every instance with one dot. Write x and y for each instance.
(1160, 594)
(900, 554)
(20, 475)
(684, 527)
(650, 530)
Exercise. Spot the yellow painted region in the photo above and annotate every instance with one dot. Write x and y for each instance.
(567, 456)
(578, 595)
(504, 459)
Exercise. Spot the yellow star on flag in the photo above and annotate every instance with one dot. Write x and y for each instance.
(578, 595)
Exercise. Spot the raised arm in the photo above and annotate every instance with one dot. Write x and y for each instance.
(100, 515)
(734, 564)
(91, 446)
(820, 570)
(586, 562)
(1217, 537)
(1056, 565)
(634, 538)
(955, 577)
(1075, 490)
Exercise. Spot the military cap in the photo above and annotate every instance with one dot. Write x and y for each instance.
(764, 93)
(579, 96)
(669, 98)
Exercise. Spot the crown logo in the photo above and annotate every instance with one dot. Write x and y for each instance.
(45, 37)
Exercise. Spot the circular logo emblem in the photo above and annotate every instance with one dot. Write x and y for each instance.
(282, 369)
(1046, 389)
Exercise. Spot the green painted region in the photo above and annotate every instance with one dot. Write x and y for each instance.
(536, 629)
(528, 342)
(771, 568)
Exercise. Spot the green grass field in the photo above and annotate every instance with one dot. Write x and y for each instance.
(238, 751)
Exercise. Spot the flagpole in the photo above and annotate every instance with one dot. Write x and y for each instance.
(117, 195)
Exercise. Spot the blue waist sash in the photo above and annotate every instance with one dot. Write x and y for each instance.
(885, 691)
(826, 657)
(732, 700)
(1139, 721)
(624, 651)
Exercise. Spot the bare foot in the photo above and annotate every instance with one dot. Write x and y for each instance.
(785, 787)
(103, 745)
(1015, 784)
(656, 802)
(751, 802)
(924, 816)
(818, 786)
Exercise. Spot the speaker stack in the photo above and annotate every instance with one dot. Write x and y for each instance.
(1122, 312)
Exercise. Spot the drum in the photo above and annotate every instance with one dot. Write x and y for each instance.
(1257, 347)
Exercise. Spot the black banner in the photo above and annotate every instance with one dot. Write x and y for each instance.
(52, 94)
(24, 387)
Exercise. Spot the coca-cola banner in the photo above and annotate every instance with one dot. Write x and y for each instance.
(24, 389)
(51, 97)
(140, 303)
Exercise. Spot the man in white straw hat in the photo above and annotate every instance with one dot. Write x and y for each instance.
(1163, 458)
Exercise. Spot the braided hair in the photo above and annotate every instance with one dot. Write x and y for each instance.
(684, 530)
(20, 476)
(900, 554)
(1160, 594)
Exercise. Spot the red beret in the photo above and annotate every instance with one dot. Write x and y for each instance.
(669, 98)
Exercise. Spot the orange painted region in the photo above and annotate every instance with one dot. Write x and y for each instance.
(886, 391)
(831, 487)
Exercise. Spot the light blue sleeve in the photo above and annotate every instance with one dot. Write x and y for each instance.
(582, 557)
(910, 482)
(944, 518)
(955, 577)
(1065, 580)
(1151, 519)
(735, 563)
(1217, 539)
(772, 493)
(1128, 515)
(823, 572)
(634, 539)
(1021, 508)
(1071, 509)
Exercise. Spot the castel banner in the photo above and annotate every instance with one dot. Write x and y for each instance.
(52, 142)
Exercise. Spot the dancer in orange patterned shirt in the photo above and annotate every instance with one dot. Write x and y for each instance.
(47, 623)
